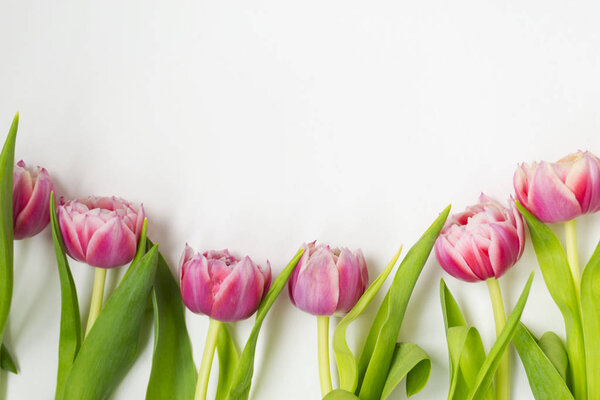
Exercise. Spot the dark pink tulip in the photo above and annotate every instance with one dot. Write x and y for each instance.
(31, 197)
(482, 242)
(328, 281)
(101, 231)
(222, 286)
(560, 191)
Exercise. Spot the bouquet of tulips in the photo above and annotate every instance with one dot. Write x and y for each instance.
(478, 244)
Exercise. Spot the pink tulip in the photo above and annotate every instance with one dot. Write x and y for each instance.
(31, 197)
(222, 286)
(560, 191)
(327, 280)
(482, 242)
(101, 231)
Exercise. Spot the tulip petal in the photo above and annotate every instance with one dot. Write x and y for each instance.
(113, 245)
(195, 285)
(69, 233)
(452, 261)
(239, 293)
(316, 289)
(35, 216)
(350, 281)
(22, 188)
(550, 199)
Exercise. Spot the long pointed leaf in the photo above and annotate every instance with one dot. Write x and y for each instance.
(411, 361)
(70, 337)
(346, 362)
(110, 347)
(240, 386)
(544, 380)
(379, 348)
(6, 361)
(173, 373)
(488, 369)
(228, 362)
(7, 163)
(557, 275)
(590, 306)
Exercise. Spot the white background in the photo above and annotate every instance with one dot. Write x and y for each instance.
(257, 125)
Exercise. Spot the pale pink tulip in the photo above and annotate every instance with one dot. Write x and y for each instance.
(101, 231)
(560, 191)
(31, 199)
(222, 286)
(482, 242)
(328, 281)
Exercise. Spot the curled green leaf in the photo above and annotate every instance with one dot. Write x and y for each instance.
(411, 361)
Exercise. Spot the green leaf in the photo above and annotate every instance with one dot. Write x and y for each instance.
(110, 347)
(7, 164)
(488, 369)
(346, 362)
(70, 337)
(242, 380)
(465, 348)
(557, 275)
(6, 361)
(554, 349)
(228, 362)
(340, 394)
(173, 373)
(545, 381)
(590, 307)
(376, 357)
(411, 361)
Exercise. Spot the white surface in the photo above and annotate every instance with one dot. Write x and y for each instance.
(257, 125)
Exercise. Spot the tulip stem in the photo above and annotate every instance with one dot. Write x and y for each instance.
(207, 358)
(572, 256)
(97, 297)
(324, 365)
(502, 373)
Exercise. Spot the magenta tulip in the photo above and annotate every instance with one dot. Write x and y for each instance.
(328, 281)
(220, 285)
(31, 196)
(482, 242)
(101, 231)
(560, 191)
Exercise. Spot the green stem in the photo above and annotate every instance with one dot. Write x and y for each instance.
(97, 297)
(503, 372)
(323, 343)
(572, 256)
(207, 358)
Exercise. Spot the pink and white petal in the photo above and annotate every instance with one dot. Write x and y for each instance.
(504, 248)
(69, 234)
(35, 216)
(452, 261)
(550, 199)
(111, 246)
(350, 281)
(239, 294)
(317, 287)
(196, 286)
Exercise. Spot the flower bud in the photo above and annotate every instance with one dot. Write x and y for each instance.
(31, 197)
(482, 242)
(222, 286)
(328, 281)
(560, 191)
(100, 231)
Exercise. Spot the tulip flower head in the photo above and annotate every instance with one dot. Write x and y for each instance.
(560, 191)
(328, 281)
(31, 196)
(100, 231)
(482, 242)
(222, 286)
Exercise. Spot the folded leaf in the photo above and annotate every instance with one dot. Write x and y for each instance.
(375, 360)
(111, 345)
(70, 337)
(7, 163)
(554, 349)
(346, 362)
(340, 394)
(488, 369)
(242, 380)
(228, 362)
(411, 361)
(173, 373)
(590, 307)
(544, 379)
(465, 348)
(557, 275)
(6, 361)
